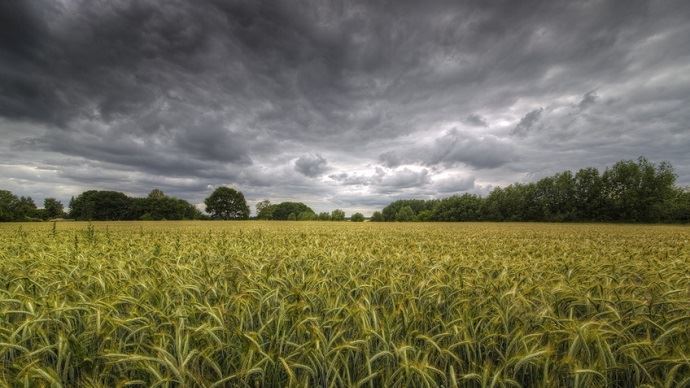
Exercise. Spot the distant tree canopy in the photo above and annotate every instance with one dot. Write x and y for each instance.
(357, 217)
(337, 215)
(8, 206)
(296, 211)
(13, 208)
(52, 208)
(100, 205)
(260, 209)
(158, 206)
(113, 205)
(630, 191)
(286, 211)
(377, 216)
(227, 204)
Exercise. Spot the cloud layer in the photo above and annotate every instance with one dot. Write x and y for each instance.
(348, 104)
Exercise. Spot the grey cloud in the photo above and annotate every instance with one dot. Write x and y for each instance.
(528, 122)
(311, 165)
(588, 99)
(484, 151)
(403, 179)
(189, 94)
(351, 179)
(454, 184)
(476, 120)
(455, 147)
(391, 159)
(386, 180)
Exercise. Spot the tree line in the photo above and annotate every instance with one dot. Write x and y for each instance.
(224, 203)
(13, 208)
(99, 206)
(298, 211)
(629, 191)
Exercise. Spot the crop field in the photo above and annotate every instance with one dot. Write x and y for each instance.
(265, 304)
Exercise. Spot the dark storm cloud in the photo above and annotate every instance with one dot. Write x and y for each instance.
(386, 180)
(528, 122)
(454, 184)
(588, 99)
(455, 147)
(476, 120)
(311, 165)
(401, 98)
(484, 151)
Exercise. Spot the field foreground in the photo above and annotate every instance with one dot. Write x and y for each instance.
(344, 304)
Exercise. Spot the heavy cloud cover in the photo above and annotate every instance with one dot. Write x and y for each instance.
(349, 104)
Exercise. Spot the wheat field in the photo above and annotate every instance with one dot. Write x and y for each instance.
(267, 304)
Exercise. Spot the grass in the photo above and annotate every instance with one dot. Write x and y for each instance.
(344, 304)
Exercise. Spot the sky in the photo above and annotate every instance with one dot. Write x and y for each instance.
(346, 105)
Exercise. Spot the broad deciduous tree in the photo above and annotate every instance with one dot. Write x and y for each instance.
(227, 204)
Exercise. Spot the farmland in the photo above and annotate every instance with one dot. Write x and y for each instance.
(344, 304)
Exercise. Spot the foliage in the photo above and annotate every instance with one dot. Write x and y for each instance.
(100, 206)
(464, 207)
(264, 210)
(405, 214)
(377, 217)
(158, 206)
(8, 204)
(52, 208)
(357, 217)
(390, 212)
(324, 216)
(681, 205)
(283, 210)
(156, 194)
(337, 215)
(307, 216)
(112, 205)
(629, 191)
(226, 203)
(338, 304)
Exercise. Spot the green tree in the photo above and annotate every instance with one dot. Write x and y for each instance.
(158, 206)
(377, 217)
(282, 210)
(466, 207)
(100, 206)
(680, 210)
(266, 213)
(324, 216)
(417, 205)
(156, 194)
(405, 214)
(227, 204)
(52, 208)
(337, 215)
(638, 191)
(8, 203)
(25, 208)
(357, 217)
(262, 209)
(587, 197)
(291, 217)
(306, 216)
